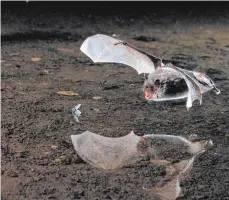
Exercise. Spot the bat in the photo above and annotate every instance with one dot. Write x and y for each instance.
(164, 81)
(112, 153)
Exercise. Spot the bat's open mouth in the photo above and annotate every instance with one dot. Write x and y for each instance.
(148, 93)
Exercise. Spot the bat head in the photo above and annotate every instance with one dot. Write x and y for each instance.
(164, 84)
(151, 87)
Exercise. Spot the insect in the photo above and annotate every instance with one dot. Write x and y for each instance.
(76, 113)
(164, 81)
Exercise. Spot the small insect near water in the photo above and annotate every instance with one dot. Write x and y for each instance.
(76, 113)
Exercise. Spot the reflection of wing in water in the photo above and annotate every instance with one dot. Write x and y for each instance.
(169, 188)
(169, 191)
(105, 152)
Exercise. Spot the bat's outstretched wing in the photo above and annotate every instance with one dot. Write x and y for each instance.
(197, 83)
(102, 48)
(193, 89)
(204, 82)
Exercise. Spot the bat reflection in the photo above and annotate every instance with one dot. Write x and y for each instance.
(174, 152)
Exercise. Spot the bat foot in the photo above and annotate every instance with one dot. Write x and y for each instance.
(217, 91)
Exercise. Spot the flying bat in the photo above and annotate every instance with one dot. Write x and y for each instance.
(164, 81)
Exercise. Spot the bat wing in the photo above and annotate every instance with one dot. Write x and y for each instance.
(107, 153)
(170, 186)
(197, 83)
(102, 48)
(204, 82)
(194, 88)
(169, 191)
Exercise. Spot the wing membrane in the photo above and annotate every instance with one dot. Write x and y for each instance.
(194, 91)
(102, 48)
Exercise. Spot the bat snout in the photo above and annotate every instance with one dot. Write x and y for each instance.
(148, 93)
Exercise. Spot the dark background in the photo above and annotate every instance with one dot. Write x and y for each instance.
(106, 8)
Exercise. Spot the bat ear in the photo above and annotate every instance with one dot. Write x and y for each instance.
(145, 76)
